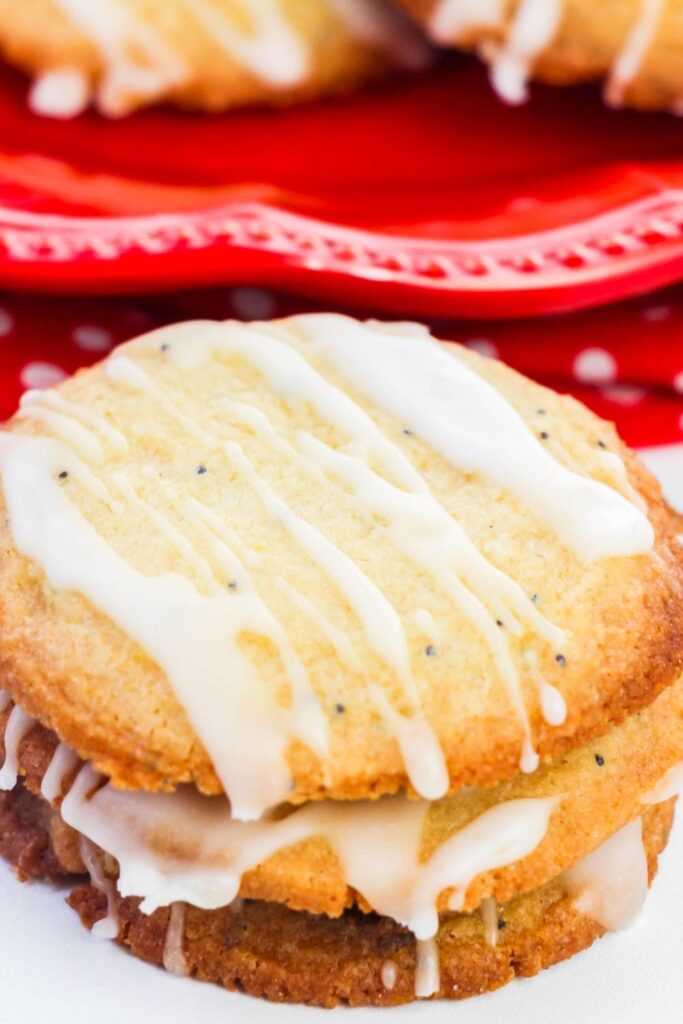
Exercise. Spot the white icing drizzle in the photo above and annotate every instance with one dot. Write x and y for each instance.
(206, 519)
(425, 621)
(389, 975)
(60, 93)
(630, 58)
(670, 785)
(172, 534)
(553, 704)
(55, 400)
(64, 427)
(121, 369)
(615, 466)
(62, 763)
(464, 418)
(452, 19)
(183, 846)
(174, 957)
(341, 643)
(533, 27)
(271, 49)
(107, 927)
(137, 59)
(18, 725)
(424, 532)
(421, 753)
(243, 731)
(610, 884)
(420, 528)
(488, 910)
(427, 975)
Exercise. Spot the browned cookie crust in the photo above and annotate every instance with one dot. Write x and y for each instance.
(265, 949)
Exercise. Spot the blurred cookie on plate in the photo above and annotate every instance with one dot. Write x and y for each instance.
(634, 46)
(212, 55)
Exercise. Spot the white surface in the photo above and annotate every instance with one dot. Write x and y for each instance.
(53, 972)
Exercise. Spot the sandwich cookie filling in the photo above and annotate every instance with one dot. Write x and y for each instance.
(182, 848)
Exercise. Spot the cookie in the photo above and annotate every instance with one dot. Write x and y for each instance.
(320, 558)
(205, 54)
(267, 950)
(634, 46)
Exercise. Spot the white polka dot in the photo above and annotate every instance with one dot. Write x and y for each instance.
(657, 313)
(620, 394)
(678, 382)
(595, 366)
(6, 323)
(92, 339)
(483, 346)
(41, 375)
(252, 303)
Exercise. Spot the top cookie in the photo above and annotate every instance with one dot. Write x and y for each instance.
(206, 54)
(324, 558)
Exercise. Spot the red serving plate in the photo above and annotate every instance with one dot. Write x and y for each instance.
(426, 195)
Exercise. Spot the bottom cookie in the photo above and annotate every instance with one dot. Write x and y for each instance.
(265, 949)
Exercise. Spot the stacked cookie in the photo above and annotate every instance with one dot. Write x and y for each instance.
(344, 665)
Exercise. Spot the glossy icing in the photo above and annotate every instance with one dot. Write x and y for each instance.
(610, 884)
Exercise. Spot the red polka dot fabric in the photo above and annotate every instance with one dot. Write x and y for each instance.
(624, 361)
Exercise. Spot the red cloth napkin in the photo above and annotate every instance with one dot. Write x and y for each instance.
(625, 361)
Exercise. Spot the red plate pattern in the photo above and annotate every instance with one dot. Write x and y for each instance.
(425, 196)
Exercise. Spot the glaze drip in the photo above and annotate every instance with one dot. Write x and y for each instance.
(62, 764)
(18, 725)
(630, 58)
(107, 927)
(610, 884)
(174, 957)
(185, 847)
